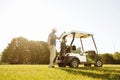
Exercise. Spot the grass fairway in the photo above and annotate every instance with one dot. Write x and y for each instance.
(42, 72)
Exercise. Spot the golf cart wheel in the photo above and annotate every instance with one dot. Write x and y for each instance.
(61, 65)
(74, 63)
(98, 63)
(87, 65)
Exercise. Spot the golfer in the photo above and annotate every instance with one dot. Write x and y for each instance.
(52, 46)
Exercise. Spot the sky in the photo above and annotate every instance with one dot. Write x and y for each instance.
(34, 20)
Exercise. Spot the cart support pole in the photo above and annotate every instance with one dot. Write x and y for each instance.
(82, 44)
(72, 41)
(94, 44)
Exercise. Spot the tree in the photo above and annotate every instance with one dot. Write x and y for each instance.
(107, 58)
(0, 58)
(116, 57)
(14, 52)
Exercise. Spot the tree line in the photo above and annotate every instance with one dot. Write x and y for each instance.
(108, 58)
(23, 51)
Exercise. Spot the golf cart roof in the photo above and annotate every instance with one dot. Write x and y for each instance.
(78, 34)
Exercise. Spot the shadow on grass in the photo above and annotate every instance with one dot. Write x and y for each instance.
(94, 72)
(102, 69)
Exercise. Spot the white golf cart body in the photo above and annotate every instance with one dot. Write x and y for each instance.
(82, 58)
(73, 59)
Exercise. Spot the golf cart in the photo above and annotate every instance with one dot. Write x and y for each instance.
(72, 56)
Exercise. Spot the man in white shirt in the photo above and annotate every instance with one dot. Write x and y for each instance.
(52, 46)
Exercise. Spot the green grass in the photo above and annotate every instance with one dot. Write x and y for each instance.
(42, 72)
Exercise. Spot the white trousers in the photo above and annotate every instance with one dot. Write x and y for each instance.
(52, 55)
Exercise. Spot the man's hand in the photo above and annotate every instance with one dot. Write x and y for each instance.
(63, 32)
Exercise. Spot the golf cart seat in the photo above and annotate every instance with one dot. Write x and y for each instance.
(90, 53)
(68, 49)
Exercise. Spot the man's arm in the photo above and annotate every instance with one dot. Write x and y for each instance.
(60, 36)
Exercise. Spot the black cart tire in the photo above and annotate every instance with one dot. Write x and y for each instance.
(98, 63)
(74, 63)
